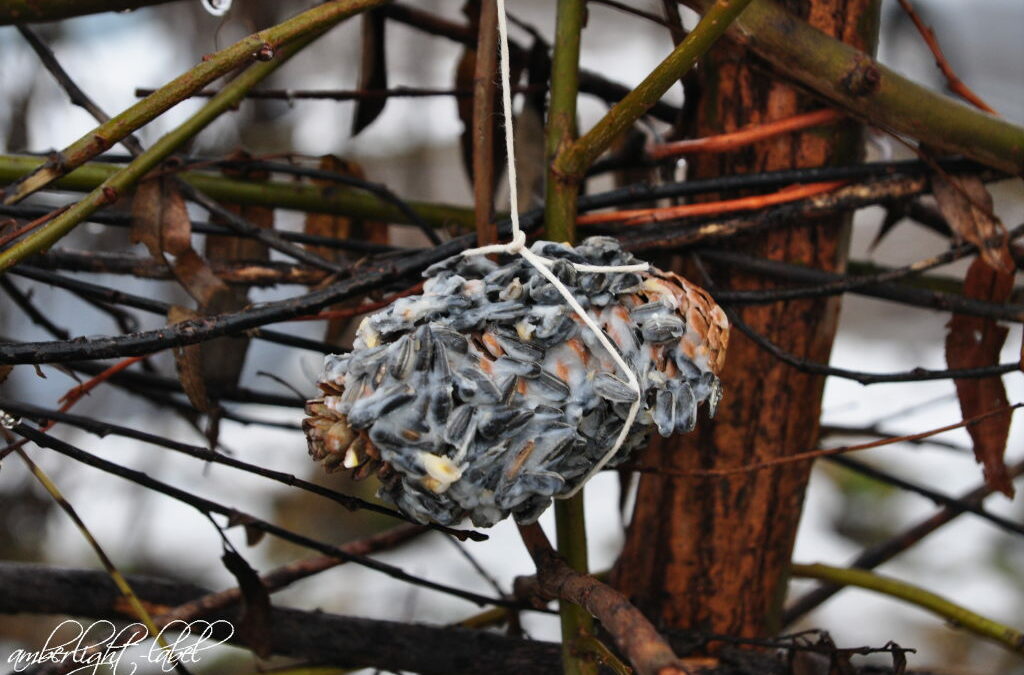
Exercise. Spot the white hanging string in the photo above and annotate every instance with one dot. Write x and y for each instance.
(518, 247)
(216, 7)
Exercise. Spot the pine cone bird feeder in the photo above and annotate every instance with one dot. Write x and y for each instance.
(486, 395)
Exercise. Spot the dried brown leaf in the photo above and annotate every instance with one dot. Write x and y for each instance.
(224, 358)
(4, 372)
(160, 218)
(253, 535)
(373, 70)
(160, 221)
(146, 221)
(975, 342)
(196, 276)
(188, 360)
(967, 206)
(341, 227)
(254, 624)
(225, 247)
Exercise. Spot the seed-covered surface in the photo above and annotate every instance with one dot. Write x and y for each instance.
(487, 395)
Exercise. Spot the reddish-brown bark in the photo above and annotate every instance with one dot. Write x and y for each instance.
(713, 553)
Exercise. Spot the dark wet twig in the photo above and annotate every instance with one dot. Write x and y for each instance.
(202, 227)
(940, 499)
(872, 286)
(877, 554)
(117, 297)
(205, 454)
(349, 94)
(915, 375)
(230, 219)
(26, 305)
(633, 634)
(235, 517)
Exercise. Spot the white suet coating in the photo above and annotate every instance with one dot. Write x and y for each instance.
(486, 396)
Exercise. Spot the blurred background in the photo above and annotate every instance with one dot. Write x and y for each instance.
(413, 147)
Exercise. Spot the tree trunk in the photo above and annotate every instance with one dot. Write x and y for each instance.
(713, 553)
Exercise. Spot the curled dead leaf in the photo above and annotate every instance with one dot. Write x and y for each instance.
(254, 624)
(188, 360)
(373, 70)
(341, 227)
(975, 342)
(967, 206)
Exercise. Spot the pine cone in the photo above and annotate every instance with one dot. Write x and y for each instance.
(487, 395)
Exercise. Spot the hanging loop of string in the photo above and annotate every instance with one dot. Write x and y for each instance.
(517, 246)
(216, 7)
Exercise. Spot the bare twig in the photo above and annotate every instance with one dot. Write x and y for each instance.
(882, 552)
(484, 87)
(432, 650)
(102, 294)
(236, 517)
(591, 82)
(352, 94)
(745, 136)
(205, 454)
(956, 85)
(633, 633)
(940, 499)
(248, 273)
(826, 452)
(858, 84)
(1007, 637)
(249, 50)
(288, 574)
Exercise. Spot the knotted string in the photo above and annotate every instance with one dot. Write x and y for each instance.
(517, 246)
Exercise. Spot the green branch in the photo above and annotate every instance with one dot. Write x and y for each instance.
(110, 190)
(279, 195)
(576, 158)
(560, 225)
(256, 47)
(960, 616)
(27, 11)
(560, 201)
(577, 624)
(856, 82)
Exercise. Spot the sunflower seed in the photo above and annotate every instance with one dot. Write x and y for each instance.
(629, 282)
(686, 408)
(499, 423)
(366, 410)
(662, 328)
(518, 349)
(400, 358)
(525, 369)
(665, 412)
(460, 426)
(612, 388)
(454, 342)
(550, 387)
